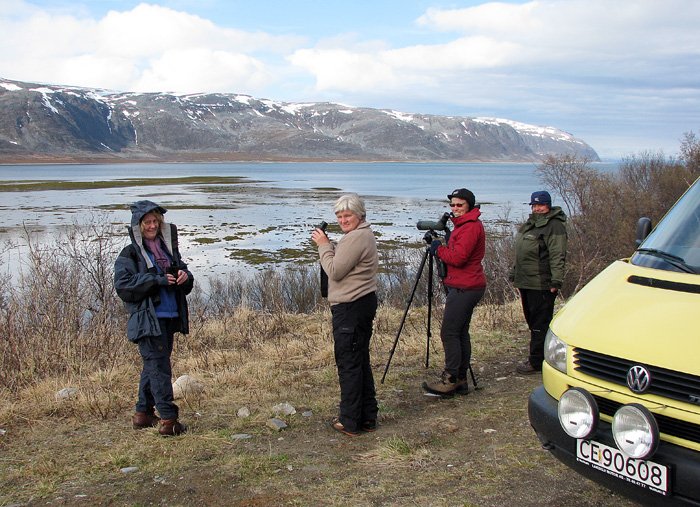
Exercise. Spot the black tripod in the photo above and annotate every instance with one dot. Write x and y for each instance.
(430, 259)
(426, 255)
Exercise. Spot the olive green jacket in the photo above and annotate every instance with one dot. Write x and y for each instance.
(540, 251)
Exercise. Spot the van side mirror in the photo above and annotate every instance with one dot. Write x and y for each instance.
(643, 229)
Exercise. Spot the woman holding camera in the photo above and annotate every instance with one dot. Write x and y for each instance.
(465, 283)
(152, 280)
(351, 266)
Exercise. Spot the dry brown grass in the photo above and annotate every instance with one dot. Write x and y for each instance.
(70, 451)
(423, 453)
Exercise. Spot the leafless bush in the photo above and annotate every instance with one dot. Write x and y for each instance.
(61, 315)
(405, 272)
(294, 289)
(603, 208)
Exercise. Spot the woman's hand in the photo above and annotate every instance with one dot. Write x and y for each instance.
(319, 237)
(181, 278)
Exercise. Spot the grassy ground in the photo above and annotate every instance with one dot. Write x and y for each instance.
(470, 450)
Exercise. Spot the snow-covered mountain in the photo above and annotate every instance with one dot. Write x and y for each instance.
(38, 120)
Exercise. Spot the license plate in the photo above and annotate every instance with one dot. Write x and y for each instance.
(645, 474)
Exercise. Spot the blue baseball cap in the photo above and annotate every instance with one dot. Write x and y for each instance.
(541, 197)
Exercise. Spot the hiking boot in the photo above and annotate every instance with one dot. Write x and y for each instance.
(525, 368)
(444, 386)
(143, 420)
(171, 427)
(462, 386)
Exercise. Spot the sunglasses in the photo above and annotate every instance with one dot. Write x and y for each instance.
(457, 204)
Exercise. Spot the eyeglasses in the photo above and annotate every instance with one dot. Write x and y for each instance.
(457, 204)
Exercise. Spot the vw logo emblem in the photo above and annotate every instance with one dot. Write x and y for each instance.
(638, 379)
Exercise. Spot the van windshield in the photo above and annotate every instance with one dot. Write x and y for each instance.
(674, 245)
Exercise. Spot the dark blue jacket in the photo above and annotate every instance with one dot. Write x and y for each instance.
(138, 280)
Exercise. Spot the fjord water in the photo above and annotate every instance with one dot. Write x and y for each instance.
(273, 208)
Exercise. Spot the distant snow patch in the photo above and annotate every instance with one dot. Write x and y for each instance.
(10, 87)
(525, 128)
(399, 115)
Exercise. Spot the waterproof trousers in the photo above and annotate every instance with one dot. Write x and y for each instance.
(538, 307)
(352, 331)
(454, 333)
(155, 386)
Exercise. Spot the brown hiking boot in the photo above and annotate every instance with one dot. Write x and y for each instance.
(142, 420)
(171, 427)
(445, 385)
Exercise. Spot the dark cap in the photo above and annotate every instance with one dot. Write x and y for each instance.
(541, 197)
(463, 193)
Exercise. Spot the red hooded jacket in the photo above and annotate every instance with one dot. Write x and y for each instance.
(464, 252)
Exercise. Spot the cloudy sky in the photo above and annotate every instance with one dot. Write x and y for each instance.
(623, 75)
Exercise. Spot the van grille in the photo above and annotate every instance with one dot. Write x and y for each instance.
(667, 425)
(667, 383)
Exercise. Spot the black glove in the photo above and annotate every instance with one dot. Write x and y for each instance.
(434, 246)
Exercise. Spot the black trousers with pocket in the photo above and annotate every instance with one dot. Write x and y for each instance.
(454, 333)
(538, 307)
(352, 331)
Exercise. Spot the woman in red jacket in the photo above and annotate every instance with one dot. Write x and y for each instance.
(465, 284)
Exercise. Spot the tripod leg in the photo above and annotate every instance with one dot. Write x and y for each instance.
(405, 313)
(430, 310)
(471, 372)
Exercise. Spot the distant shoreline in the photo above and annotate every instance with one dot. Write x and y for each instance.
(220, 158)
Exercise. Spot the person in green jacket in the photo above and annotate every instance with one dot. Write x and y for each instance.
(540, 261)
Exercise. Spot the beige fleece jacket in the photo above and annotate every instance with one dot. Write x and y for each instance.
(351, 265)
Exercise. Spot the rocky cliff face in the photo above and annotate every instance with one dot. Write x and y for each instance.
(47, 120)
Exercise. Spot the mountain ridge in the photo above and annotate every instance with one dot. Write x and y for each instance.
(43, 121)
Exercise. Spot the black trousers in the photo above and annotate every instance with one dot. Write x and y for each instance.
(454, 333)
(352, 330)
(155, 385)
(538, 307)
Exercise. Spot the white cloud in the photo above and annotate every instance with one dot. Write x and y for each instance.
(586, 66)
(600, 38)
(148, 48)
(183, 70)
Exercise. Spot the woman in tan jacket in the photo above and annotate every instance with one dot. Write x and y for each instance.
(351, 266)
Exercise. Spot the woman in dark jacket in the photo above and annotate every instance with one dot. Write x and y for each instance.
(538, 273)
(465, 283)
(152, 280)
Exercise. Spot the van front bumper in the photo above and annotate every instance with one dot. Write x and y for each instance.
(684, 464)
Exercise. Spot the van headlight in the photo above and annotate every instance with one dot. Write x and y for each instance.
(555, 351)
(578, 413)
(635, 431)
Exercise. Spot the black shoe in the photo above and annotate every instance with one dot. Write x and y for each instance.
(525, 368)
(462, 387)
(369, 426)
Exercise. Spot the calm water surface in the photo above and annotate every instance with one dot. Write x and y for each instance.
(272, 210)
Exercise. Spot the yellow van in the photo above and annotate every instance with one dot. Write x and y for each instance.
(620, 400)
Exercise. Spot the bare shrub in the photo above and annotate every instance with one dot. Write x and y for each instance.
(603, 208)
(405, 272)
(293, 289)
(61, 315)
(498, 262)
